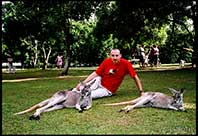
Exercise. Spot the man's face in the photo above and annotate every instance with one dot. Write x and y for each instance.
(115, 56)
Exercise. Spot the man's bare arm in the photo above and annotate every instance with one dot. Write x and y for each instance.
(138, 83)
(89, 78)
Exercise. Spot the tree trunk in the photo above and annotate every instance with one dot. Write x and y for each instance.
(67, 63)
(46, 57)
(35, 56)
(69, 42)
(195, 44)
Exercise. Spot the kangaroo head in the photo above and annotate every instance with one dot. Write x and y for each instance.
(85, 88)
(178, 98)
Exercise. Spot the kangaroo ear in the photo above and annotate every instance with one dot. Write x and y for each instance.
(173, 90)
(81, 82)
(182, 90)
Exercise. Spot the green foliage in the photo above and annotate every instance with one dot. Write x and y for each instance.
(177, 39)
(30, 28)
(85, 45)
(100, 119)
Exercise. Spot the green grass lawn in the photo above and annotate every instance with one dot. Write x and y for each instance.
(17, 96)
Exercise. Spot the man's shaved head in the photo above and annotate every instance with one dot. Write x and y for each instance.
(115, 55)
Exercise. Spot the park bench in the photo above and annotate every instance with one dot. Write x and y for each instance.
(134, 61)
(12, 70)
(15, 64)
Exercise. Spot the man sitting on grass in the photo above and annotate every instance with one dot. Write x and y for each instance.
(110, 74)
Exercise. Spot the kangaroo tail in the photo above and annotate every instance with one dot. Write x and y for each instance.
(119, 103)
(28, 110)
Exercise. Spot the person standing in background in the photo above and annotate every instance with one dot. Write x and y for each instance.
(10, 65)
(155, 55)
(142, 56)
(59, 61)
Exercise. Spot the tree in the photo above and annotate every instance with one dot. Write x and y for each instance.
(43, 20)
(125, 19)
(76, 10)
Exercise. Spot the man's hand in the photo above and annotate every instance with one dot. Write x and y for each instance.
(141, 92)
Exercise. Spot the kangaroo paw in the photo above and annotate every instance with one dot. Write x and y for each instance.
(127, 111)
(121, 110)
(80, 111)
(34, 117)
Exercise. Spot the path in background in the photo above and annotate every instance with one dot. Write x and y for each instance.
(162, 67)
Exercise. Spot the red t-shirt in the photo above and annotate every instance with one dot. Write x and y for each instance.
(113, 74)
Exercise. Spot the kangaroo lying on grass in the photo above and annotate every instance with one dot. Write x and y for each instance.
(155, 99)
(70, 98)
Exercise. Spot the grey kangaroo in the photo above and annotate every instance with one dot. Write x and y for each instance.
(155, 99)
(71, 98)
